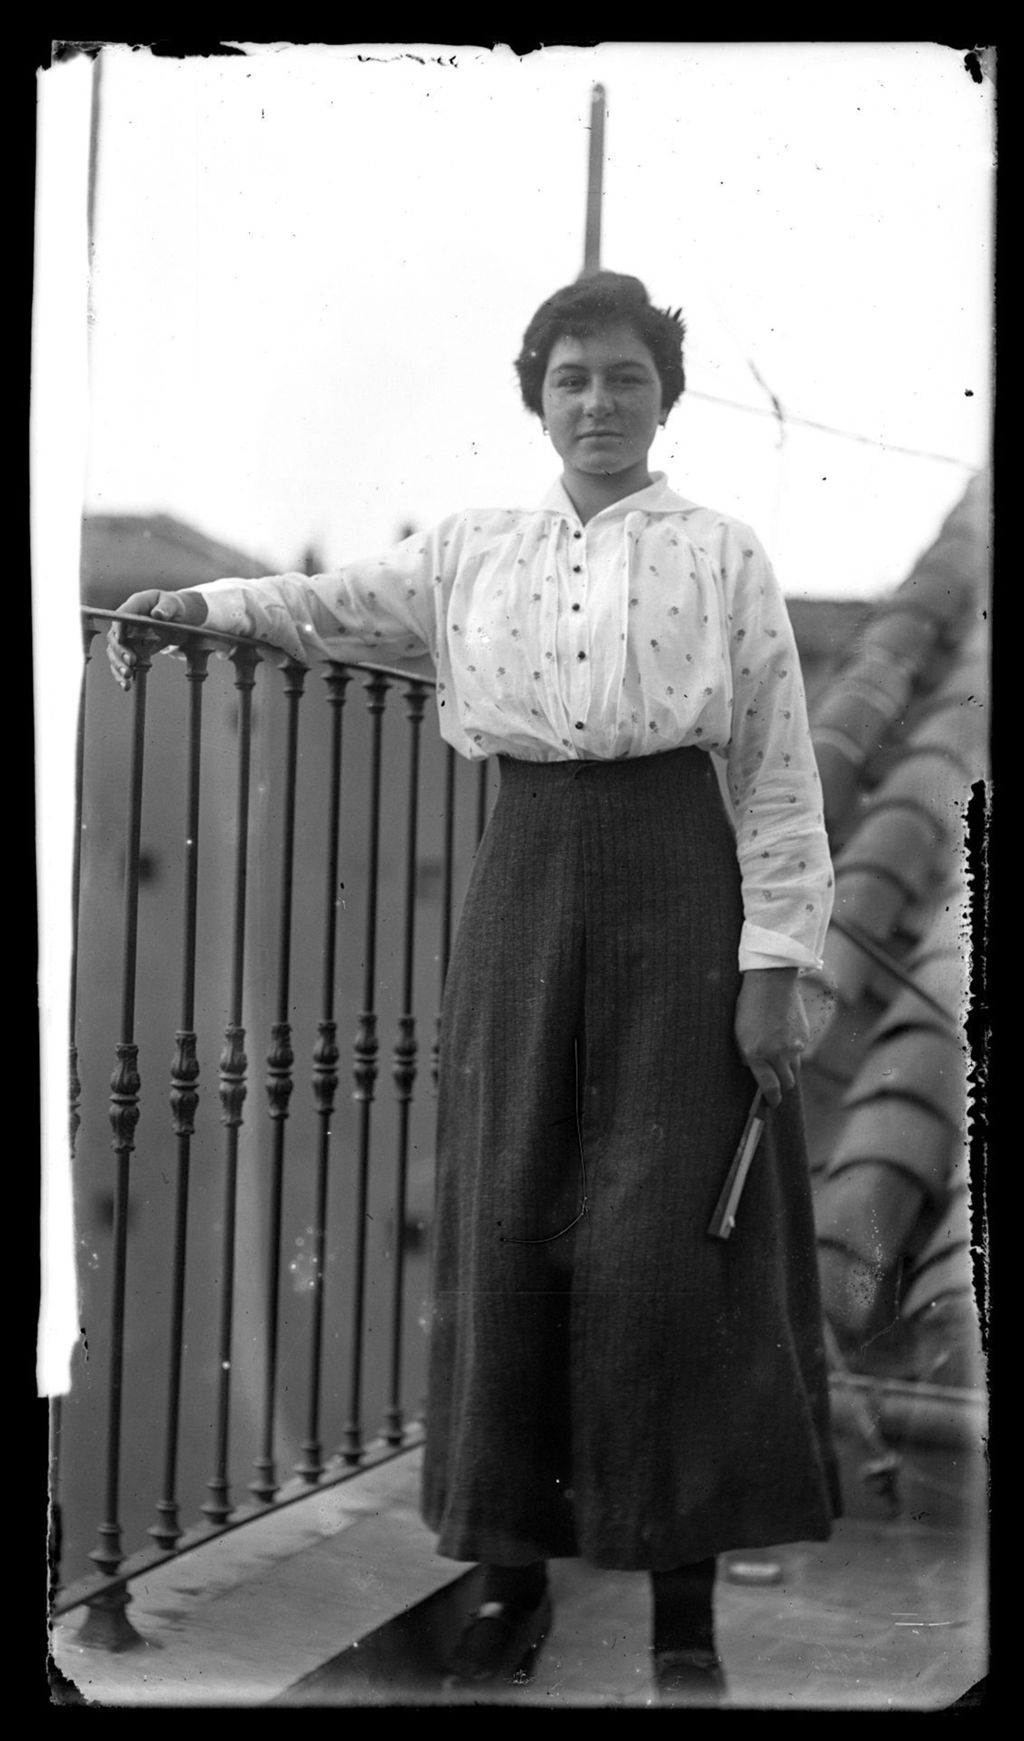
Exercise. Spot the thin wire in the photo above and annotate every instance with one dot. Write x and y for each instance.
(784, 418)
(777, 411)
(825, 428)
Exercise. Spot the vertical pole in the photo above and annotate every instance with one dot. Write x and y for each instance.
(56, 1529)
(94, 149)
(405, 1061)
(595, 174)
(365, 1074)
(233, 1087)
(74, 1084)
(325, 1083)
(106, 1622)
(280, 1059)
(184, 1100)
(481, 801)
(446, 898)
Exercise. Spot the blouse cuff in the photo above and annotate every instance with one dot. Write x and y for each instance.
(762, 948)
(225, 605)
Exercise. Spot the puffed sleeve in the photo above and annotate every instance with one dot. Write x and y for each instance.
(772, 774)
(376, 607)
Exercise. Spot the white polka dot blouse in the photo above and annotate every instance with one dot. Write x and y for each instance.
(657, 624)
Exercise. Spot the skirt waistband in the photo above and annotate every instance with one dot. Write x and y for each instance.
(687, 762)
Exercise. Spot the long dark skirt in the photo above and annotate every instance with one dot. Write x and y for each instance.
(606, 1380)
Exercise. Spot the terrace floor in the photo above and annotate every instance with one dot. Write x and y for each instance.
(339, 1600)
(882, 1618)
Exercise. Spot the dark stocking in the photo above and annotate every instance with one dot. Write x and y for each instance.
(683, 1607)
(521, 1585)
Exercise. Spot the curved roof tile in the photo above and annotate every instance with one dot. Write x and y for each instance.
(899, 731)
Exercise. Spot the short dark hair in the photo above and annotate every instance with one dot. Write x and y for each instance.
(597, 300)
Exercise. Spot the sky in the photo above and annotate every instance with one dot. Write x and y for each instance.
(312, 268)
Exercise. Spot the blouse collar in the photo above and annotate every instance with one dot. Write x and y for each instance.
(654, 498)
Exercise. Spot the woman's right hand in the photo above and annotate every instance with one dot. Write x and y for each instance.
(164, 607)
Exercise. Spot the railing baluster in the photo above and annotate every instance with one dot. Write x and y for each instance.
(280, 1082)
(365, 1073)
(233, 1068)
(405, 1056)
(107, 1595)
(56, 1530)
(325, 1082)
(481, 801)
(184, 1100)
(106, 1621)
(446, 896)
(74, 1083)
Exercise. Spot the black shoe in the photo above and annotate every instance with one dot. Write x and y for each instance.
(693, 1676)
(498, 1644)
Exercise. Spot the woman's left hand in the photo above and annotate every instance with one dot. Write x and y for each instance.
(771, 1028)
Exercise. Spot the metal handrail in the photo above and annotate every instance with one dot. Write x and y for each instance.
(225, 639)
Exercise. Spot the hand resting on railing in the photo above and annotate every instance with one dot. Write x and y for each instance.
(164, 607)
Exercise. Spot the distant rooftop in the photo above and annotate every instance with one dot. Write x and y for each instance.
(824, 627)
(123, 553)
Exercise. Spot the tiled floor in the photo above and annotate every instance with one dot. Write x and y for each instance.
(886, 1616)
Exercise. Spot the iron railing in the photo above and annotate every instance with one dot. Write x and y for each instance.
(292, 870)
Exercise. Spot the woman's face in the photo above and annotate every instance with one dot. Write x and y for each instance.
(602, 401)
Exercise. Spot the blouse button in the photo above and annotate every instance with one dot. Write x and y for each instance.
(577, 534)
(576, 607)
(580, 726)
(577, 568)
(581, 656)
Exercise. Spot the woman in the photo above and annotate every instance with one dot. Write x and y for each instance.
(606, 1379)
